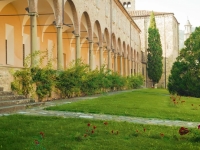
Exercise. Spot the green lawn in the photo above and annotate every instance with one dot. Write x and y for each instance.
(150, 103)
(19, 132)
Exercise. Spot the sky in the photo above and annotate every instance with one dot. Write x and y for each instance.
(182, 9)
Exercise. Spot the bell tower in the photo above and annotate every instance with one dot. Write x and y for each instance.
(188, 30)
(128, 4)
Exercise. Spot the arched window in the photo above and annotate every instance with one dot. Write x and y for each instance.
(124, 4)
(129, 4)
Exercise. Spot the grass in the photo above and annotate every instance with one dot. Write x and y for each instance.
(147, 103)
(19, 132)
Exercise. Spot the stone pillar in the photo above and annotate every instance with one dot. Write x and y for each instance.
(100, 57)
(132, 67)
(121, 67)
(91, 55)
(109, 59)
(78, 51)
(125, 66)
(33, 42)
(115, 64)
(60, 61)
(129, 62)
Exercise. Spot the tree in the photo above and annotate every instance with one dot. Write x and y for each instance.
(154, 56)
(185, 74)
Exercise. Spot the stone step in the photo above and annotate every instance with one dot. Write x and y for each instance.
(4, 93)
(11, 97)
(1, 88)
(15, 102)
(14, 108)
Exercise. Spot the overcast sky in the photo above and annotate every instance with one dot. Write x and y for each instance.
(182, 9)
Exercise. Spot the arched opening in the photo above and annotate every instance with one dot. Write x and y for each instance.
(86, 39)
(97, 40)
(106, 43)
(70, 32)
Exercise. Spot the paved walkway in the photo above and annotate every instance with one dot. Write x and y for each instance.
(153, 121)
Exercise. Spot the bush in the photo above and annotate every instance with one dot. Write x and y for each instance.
(22, 83)
(69, 82)
(44, 80)
(135, 82)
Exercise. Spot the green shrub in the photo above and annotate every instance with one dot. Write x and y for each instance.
(44, 79)
(69, 82)
(135, 82)
(22, 83)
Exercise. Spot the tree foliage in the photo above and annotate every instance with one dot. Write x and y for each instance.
(185, 74)
(154, 63)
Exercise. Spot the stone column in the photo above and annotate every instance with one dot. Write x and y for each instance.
(109, 59)
(91, 55)
(125, 66)
(129, 62)
(33, 42)
(121, 67)
(78, 51)
(100, 57)
(132, 62)
(115, 64)
(60, 61)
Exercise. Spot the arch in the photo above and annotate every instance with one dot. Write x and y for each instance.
(73, 14)
(119, 46)
(128, 52)
(132, 54)
(114, 43)
(86, 23)
(4, 3)
(124, 49)
(106, 38)
(100, 36)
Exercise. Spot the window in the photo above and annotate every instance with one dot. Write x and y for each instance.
(129, 4)
(9, 44)
(125, 5)
(6, 45)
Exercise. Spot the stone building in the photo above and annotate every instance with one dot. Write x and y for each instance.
(188, 30)
(168, 27)
(98, 31)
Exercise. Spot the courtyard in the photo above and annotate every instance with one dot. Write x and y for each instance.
(134, 119)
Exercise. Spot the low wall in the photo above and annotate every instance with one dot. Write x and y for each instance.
(6, 77)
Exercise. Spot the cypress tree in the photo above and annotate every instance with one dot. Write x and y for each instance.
(154, 56)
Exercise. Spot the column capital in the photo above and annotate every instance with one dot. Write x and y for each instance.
(33, 14)
(76, 35)
(59, 26)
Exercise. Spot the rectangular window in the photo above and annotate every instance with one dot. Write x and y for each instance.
(9, 36)
(23, 54)
(6, 46)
